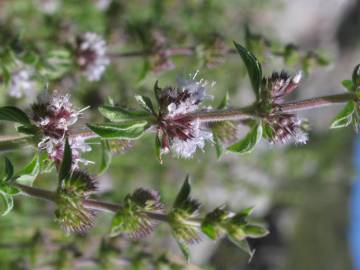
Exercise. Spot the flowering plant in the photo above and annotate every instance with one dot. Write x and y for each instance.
(182, 119)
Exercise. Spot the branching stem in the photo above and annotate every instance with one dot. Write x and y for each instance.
(94, 204)
(8, 143)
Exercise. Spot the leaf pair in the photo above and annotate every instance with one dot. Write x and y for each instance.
(7, 191)
(125, 124)
(15, 115)
(350, 114)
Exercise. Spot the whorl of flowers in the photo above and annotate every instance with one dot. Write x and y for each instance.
(280, 85)
(160, 61)
(286, 127)
(54, 115)
(71, 213)
(91, 55)
(132, 220)
(179, 133)
(21, 82)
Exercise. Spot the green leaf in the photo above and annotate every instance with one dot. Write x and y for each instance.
(146, 103)
(215, 222)
(255, 231)
(66, 164)
(344, 117)
(117, 114)
(6, 76)
(58, 63)
(13, 114)
(184, 249)
(224, 102)
(218, 146)
(6, 203)
(268, 131)
(28, 174)
(253, 67)
(291, 55)
(157, 91)
(243, 245)
(158, 148)
(8, 189)
(145, 70)
(28, 129)
(129, 131)
(349, 85)
(247, 144)
(106, 157)
(246, 212)
(210, 230)
(9, 169)
(30, 58)
(183, 194)
(356, 76)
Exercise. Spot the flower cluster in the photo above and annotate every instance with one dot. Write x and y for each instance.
(133, 220)
(54, 115)
(280, 85)
(180, 133)
(71, 213)
(21, 82)
(161, 61)
(285, 127)
(91, 55)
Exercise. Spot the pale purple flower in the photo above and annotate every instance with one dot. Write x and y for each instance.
(287, 128)
(55, 149)
(280, 85)
(179, 133)
(54, 115)
(91, 55)
(22, 82)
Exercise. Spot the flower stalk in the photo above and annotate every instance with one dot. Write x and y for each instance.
(92, 204)
(37, 192)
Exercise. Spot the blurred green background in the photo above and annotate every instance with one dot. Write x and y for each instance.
(300, 191)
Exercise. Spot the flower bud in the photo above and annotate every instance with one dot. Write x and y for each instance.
(71, 213)
(280, 85)
(132, 219)
(179, 133)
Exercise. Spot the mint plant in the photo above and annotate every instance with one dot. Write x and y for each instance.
(179, 118)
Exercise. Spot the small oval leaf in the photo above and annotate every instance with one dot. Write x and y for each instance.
(247, 144)
(253, 67)
(345, 116)
(118, 114)
(128, 131)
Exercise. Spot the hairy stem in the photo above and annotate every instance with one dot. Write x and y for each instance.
(93, 204)
(37, 192)
(317, 102)
(251, 111)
